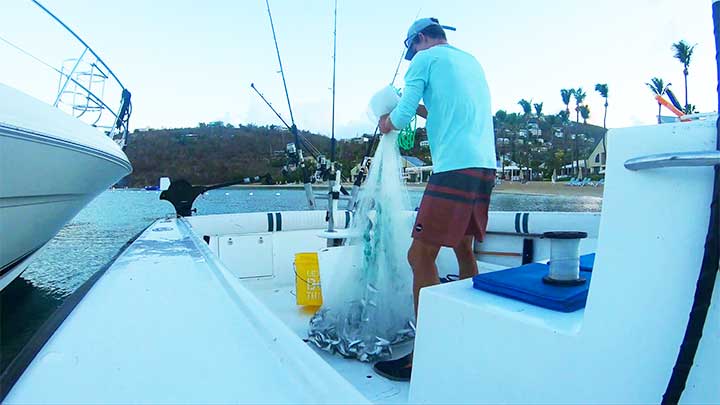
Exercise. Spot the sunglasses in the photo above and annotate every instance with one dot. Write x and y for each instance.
(410, 40)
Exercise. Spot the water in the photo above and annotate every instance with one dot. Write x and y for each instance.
(94, 236)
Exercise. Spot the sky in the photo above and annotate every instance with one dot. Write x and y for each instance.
(187, 61)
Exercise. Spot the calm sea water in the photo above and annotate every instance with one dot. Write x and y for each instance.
(95, 235)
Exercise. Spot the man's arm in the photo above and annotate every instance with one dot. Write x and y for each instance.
(415, 83)
(386, 124)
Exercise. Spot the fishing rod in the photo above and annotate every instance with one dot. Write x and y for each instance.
(365, 164)
(332, 125)
(333, 193)
(299, 160)
(374, 138)
(252, 85)
(304, 142)
(299, 140)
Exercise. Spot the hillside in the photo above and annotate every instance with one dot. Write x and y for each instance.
(212, 154)
(218, 153)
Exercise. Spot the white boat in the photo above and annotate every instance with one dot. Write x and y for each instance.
(202, 309)
(52, 164)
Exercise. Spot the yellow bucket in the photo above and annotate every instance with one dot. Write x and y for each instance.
(307, 279)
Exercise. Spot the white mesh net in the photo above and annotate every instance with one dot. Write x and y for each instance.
(368, 304)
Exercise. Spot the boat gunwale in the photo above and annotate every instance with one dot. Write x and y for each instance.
(27, 354)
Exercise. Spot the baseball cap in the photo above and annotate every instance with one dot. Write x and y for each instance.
(415, 29)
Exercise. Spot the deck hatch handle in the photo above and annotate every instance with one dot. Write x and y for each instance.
(675, 159)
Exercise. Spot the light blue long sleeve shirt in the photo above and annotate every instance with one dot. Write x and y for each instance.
(459, 123)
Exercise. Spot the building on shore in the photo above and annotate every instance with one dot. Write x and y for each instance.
(513, 172)
(596, 160)
(573, 169)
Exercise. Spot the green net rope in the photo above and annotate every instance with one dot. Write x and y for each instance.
(406, 138)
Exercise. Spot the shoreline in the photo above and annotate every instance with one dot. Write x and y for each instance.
(544, 188)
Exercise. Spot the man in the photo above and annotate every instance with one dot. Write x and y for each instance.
(454, 208)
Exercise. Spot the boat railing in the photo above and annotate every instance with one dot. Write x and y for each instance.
(699, 116)
(82, 86)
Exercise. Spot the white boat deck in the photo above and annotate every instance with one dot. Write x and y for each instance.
(281, 301)
(166, 324)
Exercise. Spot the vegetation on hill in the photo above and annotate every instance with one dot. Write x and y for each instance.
(217, 153)
(541, 142)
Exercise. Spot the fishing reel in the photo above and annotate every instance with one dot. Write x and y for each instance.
(365, 166)
(291, 150)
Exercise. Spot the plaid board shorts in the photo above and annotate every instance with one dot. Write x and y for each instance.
(455, 204)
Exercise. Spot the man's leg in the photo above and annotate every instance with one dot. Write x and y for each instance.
(421, 257)
(466, 257)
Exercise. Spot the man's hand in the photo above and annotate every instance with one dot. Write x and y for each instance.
(385, 124)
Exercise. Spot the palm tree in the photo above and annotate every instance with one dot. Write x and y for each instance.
(499, 118)
(602, 88)
(538, 109)
(690, 109)
(526, 106)
(564, 118)
(579, 98)
(658, 87)
(549, 123)
(683, 53)
(585, 113)
(566, 94)
(500, 123)
(514, 122)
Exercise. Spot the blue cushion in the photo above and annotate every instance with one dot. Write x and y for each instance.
(525, 284)
(587, 261)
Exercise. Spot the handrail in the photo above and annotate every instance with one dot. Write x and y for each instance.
(81, 41)
(699, 116)
(674, 159)
(69, 76)
(71, 82)
(63, 74)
